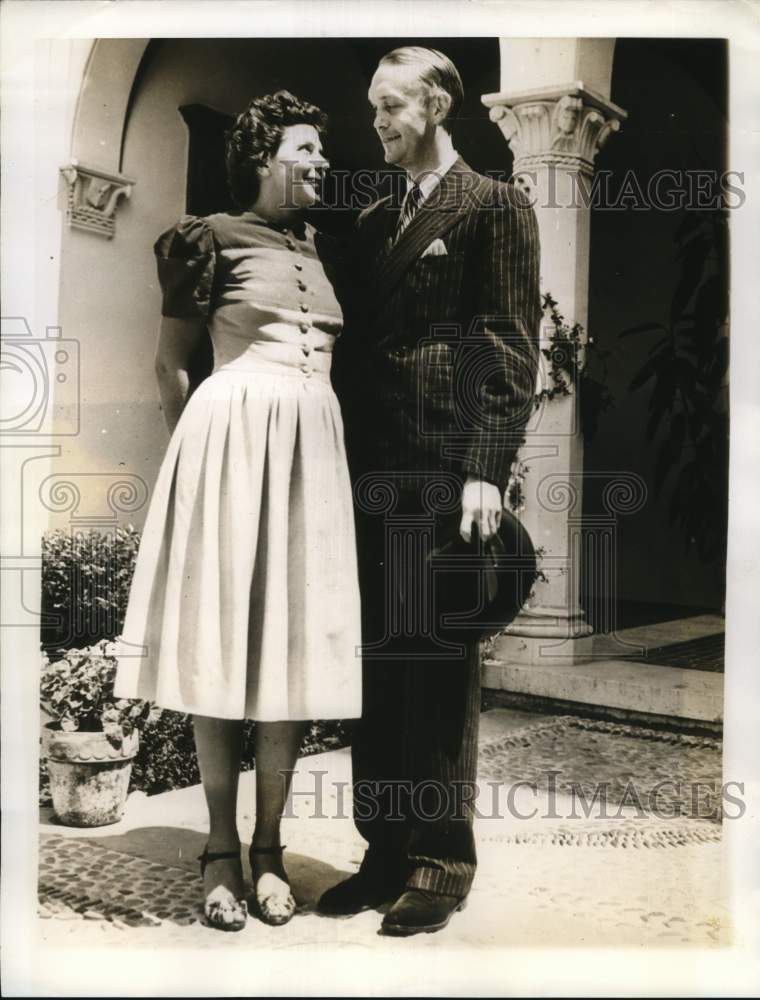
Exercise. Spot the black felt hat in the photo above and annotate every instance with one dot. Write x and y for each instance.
(480, 586)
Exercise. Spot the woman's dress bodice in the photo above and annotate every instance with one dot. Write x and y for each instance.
(262, 289)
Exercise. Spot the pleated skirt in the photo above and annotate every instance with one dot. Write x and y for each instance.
(245, 599)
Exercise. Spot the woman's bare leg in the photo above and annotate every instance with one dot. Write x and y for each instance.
(276, 747)
(219, 745)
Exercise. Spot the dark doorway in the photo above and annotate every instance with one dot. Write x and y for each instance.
(675, 92)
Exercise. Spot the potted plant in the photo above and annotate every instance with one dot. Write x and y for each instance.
(92, 738)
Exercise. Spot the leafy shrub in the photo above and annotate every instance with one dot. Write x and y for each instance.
(326, 734)
(77, 693)
(85, 585)
(45, 798)
(167, 759)
(687, 367)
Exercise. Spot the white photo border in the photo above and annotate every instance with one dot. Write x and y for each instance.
(408, 969)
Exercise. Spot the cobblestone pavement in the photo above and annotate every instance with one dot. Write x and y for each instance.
(547, 876)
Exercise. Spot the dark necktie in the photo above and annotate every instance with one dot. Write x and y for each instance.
(408, 209)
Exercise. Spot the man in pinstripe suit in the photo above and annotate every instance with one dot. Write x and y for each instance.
(436, 375)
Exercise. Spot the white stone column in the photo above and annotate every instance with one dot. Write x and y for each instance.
(555, 132)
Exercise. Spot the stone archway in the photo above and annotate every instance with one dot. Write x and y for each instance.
(103, 101)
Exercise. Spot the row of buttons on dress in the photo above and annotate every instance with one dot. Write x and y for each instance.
(304, 327)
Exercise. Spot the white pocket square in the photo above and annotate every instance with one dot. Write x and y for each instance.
(436, 249)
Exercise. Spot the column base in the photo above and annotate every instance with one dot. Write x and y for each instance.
(550, 622)
(545, 634)
(536, 650)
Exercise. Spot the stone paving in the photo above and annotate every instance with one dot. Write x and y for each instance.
(547, 876)
(127, 891)
(654, 771)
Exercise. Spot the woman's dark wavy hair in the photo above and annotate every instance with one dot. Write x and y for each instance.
(257, 134)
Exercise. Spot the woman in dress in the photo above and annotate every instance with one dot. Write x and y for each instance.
(245, 601)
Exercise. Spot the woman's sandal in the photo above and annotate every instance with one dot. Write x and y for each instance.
(222, 910)
(274, 907)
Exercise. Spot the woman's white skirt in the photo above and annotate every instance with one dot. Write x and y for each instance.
(245, 597)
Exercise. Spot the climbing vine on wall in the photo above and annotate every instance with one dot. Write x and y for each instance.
(575, 365)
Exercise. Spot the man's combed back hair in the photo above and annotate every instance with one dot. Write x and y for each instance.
(436, 71)
(257, 134)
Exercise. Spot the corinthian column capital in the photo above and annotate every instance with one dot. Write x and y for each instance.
(565, 125)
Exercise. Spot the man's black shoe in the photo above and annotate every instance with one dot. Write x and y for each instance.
(356, 894)
(420, 911)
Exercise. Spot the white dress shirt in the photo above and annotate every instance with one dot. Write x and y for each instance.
(432, 178)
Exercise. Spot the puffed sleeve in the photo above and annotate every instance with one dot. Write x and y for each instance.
(186, 259)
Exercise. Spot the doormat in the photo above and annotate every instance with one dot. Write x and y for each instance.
(707, 653)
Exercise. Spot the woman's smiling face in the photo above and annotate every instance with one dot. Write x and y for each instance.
(296, 169)
(403, 116)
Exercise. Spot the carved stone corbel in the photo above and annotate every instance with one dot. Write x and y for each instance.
(93, 196)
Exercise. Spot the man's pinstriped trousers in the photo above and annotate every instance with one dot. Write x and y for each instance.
(414, 751)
